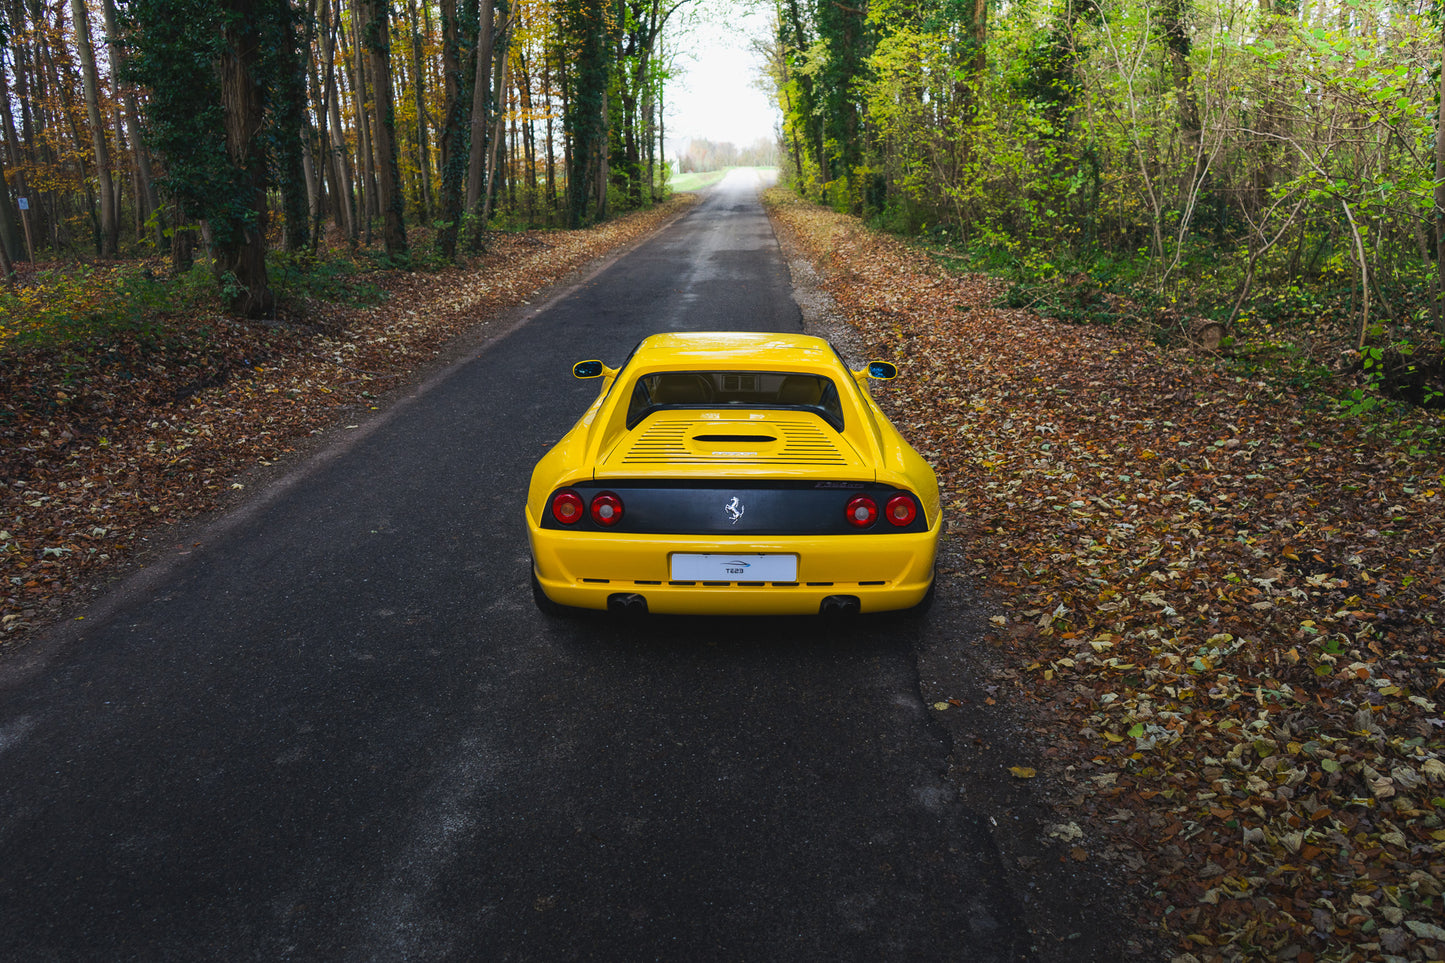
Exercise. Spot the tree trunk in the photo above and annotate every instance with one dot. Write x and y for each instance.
(454, 131)
(482, 102)
(339, 158)
(315, 185)
(604, 172)
(10, 230)
(551, 134)
(1440, 197)
(10, 239)
(23, 143)
(290, 127)
(109, 217)
(366, 180)
(1174, 17)
(494, 146)
(148, 200)
(388, 180)
(423, 139)
(649, 133)
(68, 115)
(807, 94)
(240, 240)
(7, 266)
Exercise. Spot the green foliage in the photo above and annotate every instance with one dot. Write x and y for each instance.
(85, 307)
(1159, 165)
(300, 276)
(587, 32)
(1188, 131)
(898, 216)
(173, 47)
(224, 107)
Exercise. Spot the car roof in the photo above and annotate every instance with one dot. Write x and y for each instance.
(735, 349)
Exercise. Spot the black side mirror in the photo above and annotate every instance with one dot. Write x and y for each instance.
(587, 369)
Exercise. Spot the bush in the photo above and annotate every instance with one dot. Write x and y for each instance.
(87, 306)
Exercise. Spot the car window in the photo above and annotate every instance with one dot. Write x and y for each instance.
(735, 389)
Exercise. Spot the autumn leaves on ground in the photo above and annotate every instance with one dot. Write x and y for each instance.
(1223, 603)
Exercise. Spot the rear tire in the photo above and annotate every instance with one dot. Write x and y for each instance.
(925, 603)
(545, 605)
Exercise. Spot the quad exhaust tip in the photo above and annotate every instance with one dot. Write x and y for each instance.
(626, 603)
(630, 603)
(839, 606)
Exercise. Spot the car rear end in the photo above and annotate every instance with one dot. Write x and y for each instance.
(736, 512)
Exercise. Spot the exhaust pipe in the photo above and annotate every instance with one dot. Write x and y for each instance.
(839, 606)
(627, 603)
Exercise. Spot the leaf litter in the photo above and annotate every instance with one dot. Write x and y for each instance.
(1224, 607)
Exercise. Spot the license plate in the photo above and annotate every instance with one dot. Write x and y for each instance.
(734, 568)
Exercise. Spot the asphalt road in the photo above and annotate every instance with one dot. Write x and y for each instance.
(337, 729)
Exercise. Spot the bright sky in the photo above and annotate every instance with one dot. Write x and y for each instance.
(716, 98)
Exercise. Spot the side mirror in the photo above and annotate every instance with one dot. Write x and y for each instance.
(882, 370)
(588, 369)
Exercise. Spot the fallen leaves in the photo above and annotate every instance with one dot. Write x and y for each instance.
(1231, 604)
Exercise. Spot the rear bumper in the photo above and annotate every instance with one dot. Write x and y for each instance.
(884, 572)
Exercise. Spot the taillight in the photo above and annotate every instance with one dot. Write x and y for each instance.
(862, 511)
(567, 507)
(607, 509)
(901, 510)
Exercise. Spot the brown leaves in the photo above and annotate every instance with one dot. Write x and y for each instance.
(1231, 603)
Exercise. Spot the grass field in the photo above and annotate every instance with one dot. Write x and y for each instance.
(682, 183)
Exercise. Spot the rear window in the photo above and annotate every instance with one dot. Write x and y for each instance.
(735, 389)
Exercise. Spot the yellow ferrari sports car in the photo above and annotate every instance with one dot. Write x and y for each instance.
(733, 474)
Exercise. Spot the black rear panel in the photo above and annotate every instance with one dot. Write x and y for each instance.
(708, 507)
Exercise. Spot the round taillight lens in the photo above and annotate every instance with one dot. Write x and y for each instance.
(862, 511)
(567, 508)
(901, 510)
(607, 509)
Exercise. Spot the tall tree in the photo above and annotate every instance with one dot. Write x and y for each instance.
(10, 241)
(419, 73)
(1439, 193)
(109, 217)
(483, 104)
(801, 115)
(377, 40)
(283, 64)
(339, 161)
(28, 147)
(146, 198)
(501, 63)
(456, 71)
(843, 30)
(10, 230)
(586, 37)
(211, 85)
(239, 235)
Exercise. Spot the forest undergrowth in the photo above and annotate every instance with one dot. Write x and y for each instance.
(106, 440)
(1224, 605)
